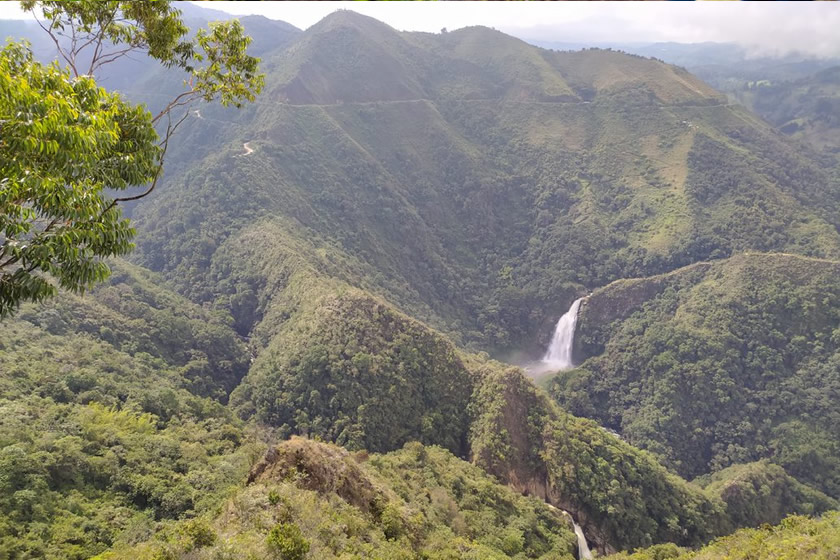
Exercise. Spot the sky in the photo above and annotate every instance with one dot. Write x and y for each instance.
(766, 28)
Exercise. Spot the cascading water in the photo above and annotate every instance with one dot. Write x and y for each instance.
(583, 547)
(559, 354)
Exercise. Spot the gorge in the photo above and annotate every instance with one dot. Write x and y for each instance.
(306, 349)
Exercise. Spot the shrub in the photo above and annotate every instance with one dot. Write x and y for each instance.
(287, 542)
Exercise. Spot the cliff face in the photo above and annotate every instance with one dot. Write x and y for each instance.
(619, 495)
(321, 468)
(717, 364)
(620, 299)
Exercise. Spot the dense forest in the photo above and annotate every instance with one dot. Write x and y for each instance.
(314, 349)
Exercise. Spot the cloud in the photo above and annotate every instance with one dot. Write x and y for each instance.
(763, 28)
(767, 29)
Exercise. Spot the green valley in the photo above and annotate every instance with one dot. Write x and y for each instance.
(319, 346)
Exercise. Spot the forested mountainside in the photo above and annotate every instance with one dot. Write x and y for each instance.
(717, 363)
(483, 215)
(797, 537)
(343, 260)
(807, 108)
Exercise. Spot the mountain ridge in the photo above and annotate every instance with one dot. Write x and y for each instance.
(351, 278)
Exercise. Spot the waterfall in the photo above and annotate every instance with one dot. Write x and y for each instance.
(583, 547)
(559, 354)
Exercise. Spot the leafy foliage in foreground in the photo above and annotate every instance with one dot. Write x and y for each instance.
(64, 142)
(717, 364)
(415, 503)
(104, 429)
(67, 142)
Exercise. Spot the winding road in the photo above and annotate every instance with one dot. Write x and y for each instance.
(248, 150)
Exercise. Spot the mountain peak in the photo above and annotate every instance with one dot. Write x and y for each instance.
(349, 18)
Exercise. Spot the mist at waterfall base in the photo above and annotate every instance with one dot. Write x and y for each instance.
(558, 356)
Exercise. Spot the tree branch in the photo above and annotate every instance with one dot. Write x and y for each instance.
(170, 130)
(70, 60)
(177, 102)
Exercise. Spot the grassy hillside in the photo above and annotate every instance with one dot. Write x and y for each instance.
(718, 363)
(418, 502)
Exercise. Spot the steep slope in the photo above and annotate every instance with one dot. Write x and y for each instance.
(483, 215)
(316, 70)
(620, 496)
(718, 363)
(105, 426)
(418, 502)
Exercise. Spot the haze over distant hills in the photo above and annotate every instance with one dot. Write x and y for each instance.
(353, 257)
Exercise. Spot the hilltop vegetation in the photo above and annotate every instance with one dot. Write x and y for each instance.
(356, 372)
(417, 502)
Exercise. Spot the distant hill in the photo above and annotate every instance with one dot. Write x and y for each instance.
(807, 108)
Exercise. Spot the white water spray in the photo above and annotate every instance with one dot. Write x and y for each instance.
(584, 553)
(559, 354)
(583, 547)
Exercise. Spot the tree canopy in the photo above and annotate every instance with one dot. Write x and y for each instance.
(67, 145)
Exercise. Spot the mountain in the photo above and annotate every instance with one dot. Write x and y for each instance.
(795, 93)
(347, 259)
(482, 216)
(477, 185)
(717, 363)
(805, 108)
